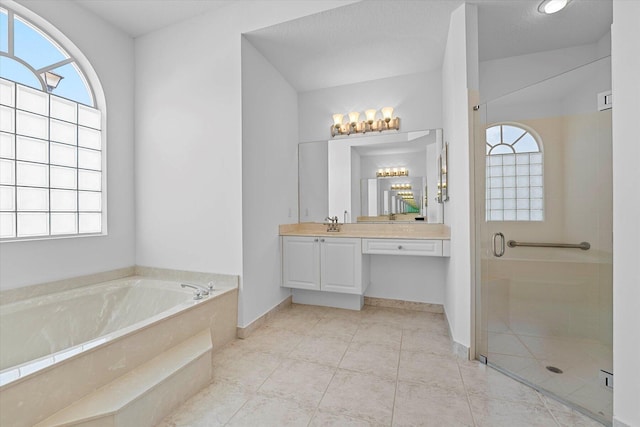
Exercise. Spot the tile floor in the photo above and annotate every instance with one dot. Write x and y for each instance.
(527, 354)
(318, 366)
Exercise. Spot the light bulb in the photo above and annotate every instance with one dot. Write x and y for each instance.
(387, 113)
(552, 6)
(354, 117)
(337, 120)
(371, 115)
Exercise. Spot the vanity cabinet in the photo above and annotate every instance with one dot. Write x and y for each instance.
(331, 264)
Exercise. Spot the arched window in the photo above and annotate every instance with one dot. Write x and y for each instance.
(515, 181)
(51, 141)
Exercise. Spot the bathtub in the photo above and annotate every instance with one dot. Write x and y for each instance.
(84, 338)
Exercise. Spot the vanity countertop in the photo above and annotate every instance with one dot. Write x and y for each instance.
(370, 231)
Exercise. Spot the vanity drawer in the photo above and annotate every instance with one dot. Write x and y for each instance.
(402, 247)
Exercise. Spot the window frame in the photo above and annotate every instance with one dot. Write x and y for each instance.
(95, 92)
(517, 164)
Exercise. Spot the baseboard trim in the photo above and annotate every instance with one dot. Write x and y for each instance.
(459, 350)
(406, 305)
(244, 332)
(618, 423)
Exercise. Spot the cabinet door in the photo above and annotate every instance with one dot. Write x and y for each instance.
(341, 265)
(300, 262)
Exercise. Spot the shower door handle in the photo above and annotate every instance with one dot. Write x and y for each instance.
(497, 253)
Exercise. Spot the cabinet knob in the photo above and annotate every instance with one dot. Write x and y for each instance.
(322, 240)
(399, 246)
(315, 240)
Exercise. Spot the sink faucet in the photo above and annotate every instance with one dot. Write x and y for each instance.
(334, 225)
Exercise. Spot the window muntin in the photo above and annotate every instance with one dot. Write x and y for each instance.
(28, 52)
(515, 175)
(51, 143)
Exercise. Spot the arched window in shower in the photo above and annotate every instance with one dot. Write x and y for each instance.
(515, 180)
(52, 141)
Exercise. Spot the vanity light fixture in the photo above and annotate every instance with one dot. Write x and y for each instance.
(337, 123)
(371, 124)
(552, 6)
(390, 172)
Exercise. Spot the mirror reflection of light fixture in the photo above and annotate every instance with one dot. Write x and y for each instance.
(391, 172)
(552, 6)
(401, 186)
(388, 122)
(52, 80)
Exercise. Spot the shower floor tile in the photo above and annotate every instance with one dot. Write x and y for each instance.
(508, 344)
(527, 351)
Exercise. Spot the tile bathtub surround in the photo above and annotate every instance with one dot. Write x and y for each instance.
(12, 295)
(320, 366)
(93, 369)
(223, 281)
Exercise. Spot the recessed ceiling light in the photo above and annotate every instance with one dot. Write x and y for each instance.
(552, 6)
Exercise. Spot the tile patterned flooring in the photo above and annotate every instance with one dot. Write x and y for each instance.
(318, 366)
(528, 353)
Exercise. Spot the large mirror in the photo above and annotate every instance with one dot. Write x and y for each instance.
(383, 178)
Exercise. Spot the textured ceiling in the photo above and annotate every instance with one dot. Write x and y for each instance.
(510, 28)
(363, 41)
(374, 39)
(377, 39)
(138, 17)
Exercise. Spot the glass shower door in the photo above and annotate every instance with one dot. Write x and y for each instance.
(543, 176)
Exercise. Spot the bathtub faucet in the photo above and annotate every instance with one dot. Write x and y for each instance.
(199, 291)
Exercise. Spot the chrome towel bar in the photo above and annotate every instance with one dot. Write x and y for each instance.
(582, 245)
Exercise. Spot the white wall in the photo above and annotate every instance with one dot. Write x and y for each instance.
(502, 76)
(313, 182)
(459, 75)
(570, 93)
(111, 54)
(416, 99)
(269, 180)
(407, 278)
(189, 128)
(626, 211)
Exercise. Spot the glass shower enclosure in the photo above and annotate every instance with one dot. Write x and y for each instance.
(543, 191)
